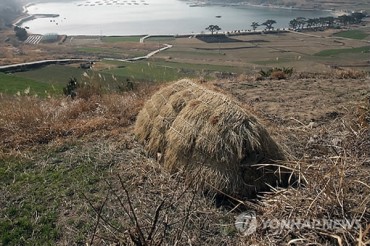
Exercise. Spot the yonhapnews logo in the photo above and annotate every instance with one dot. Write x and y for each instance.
(247, 224)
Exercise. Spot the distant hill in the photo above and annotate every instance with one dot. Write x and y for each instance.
(316, 4)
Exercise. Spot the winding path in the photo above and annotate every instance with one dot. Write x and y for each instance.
(30, 65)
(166, 46)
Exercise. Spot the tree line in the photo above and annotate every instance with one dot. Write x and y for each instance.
(302, 22)
(330, 21)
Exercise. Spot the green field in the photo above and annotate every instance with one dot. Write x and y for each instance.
(95, 50)
(58, 76)
(53, 74)
(112, 52)
(335, 52)
(163, 71)
(215, 53)
(117, 39)
(199, 67)
(147, 71)
(113, 78)
(354, 34)
(54, 77)
(12, 84)
(160, 39)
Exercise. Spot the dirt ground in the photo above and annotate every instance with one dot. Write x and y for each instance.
(304, 100)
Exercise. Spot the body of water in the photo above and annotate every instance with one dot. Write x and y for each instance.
(137, 17)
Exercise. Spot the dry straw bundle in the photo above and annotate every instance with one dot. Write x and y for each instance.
(209, 136)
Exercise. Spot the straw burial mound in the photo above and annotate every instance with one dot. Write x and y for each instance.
(209, 137)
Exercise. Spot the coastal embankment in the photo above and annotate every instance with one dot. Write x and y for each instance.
(26, 18)
(36, 64)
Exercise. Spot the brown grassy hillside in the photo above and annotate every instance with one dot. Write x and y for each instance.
(72, 172)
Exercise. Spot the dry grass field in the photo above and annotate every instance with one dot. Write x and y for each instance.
(253, 52)
(72, 171)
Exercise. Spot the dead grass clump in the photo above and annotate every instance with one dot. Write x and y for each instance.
(334, 74)
(349, 74)
(201, 131)
(87, 90)
(278, 75)
(25, 121)
(329, 200)
(333, 205)
(333, 208)
(358, 131)
(363, 113)
(19, 112)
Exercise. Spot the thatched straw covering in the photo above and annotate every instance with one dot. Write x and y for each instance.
(210, 137)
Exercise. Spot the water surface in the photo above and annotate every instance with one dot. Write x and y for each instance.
(134, 17)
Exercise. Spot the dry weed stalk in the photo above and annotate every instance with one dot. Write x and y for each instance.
(170, 214)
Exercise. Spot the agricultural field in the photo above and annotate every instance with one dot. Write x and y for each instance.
(243, 54)
(354, 34)
(53, 74)
(118, 39)
(13, 84)
(337, 52)
(253, 52)
(112, 75)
